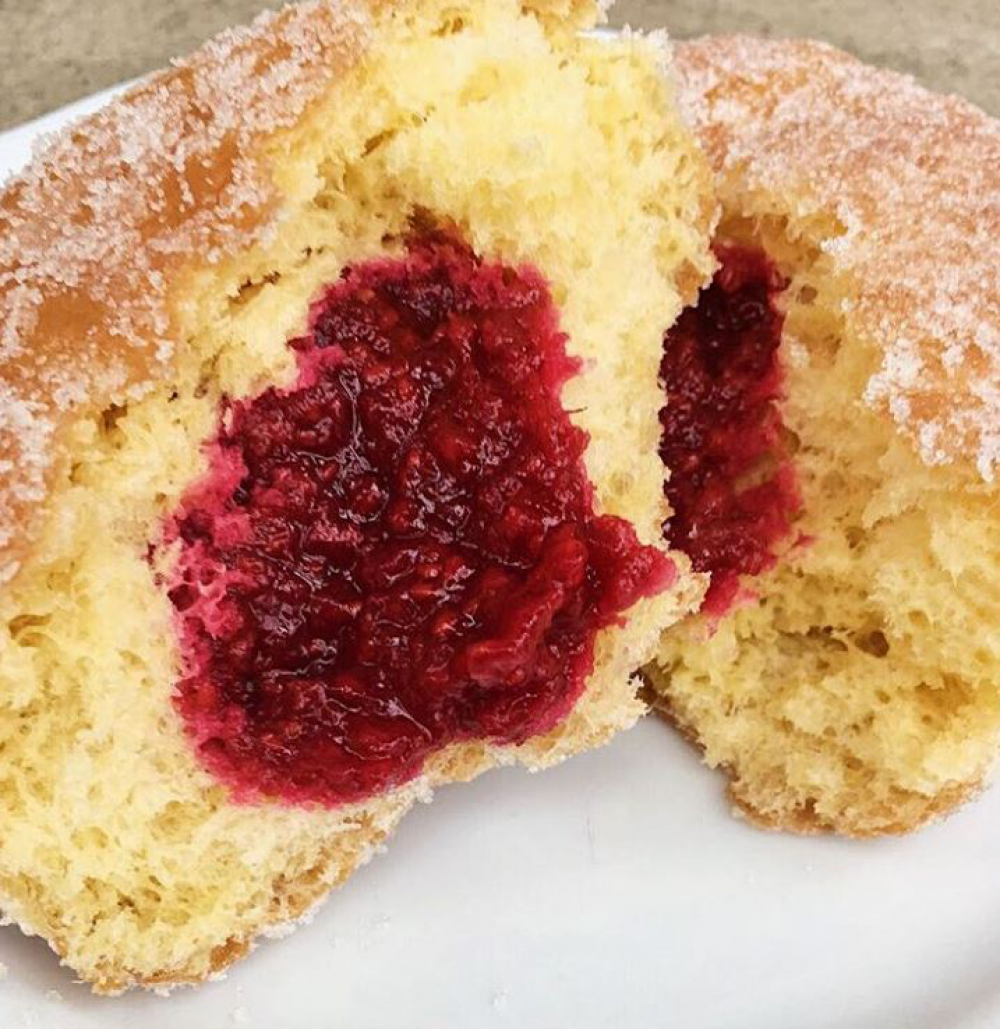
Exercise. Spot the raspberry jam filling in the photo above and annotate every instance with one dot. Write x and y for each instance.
(732, 488)
(401, 550)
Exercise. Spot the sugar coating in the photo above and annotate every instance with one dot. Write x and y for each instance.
(913, 179)
(111, 207)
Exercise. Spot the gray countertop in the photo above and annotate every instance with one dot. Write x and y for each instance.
(54, 51)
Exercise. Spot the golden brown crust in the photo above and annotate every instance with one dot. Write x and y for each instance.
(912, 811)
(94, 232)
(806, 821)
(913, 179)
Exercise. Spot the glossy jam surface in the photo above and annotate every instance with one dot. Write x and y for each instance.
(401, 550)
(732, 488)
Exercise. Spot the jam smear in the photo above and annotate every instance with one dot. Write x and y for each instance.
(400, 551)
(732, 488)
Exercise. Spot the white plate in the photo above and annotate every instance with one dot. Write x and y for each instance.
(614, 891)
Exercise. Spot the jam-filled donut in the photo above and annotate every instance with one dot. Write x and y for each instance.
(832, 429)
(328, 420)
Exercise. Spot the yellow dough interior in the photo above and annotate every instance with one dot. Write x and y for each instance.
(859, 691)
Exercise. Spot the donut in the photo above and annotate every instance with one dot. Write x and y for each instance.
(832, 430)
(328, 469)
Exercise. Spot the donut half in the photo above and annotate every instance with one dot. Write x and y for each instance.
(328, 420)
(832, 430)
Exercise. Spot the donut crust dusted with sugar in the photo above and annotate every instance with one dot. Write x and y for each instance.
(912, 180)
(92, 232)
